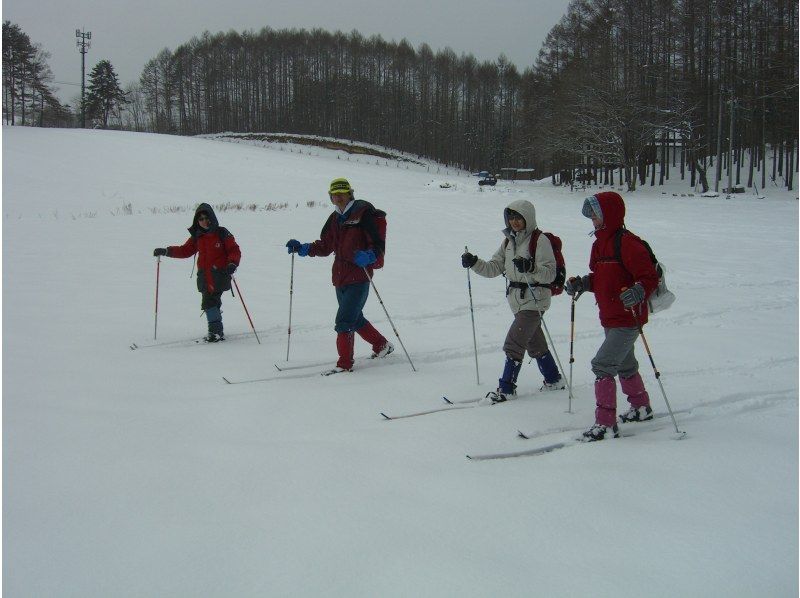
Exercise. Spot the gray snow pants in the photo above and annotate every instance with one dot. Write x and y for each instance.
(615, 356)
(525, 333)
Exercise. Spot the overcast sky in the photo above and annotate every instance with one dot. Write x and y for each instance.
(130, 33)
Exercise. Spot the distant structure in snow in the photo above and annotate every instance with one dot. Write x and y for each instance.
(516, 174)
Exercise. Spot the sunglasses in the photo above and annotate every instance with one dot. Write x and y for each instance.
(202, 217)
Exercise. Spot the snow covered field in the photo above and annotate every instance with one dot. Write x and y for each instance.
(141, 473)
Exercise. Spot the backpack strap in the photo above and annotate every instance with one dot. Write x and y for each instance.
(534, 240)
(224, 233)
(371, 228)
(532, 245)
(618, 250)
(618, 244)
(532, 250)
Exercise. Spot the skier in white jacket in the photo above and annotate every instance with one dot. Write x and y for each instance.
(528, 296)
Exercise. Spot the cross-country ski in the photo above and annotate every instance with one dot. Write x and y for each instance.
(357, 362)
(573, 438)
(450, 405)
(426, 412)
(309, 370)
(190, 342)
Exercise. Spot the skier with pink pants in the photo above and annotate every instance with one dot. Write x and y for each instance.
(622, 277)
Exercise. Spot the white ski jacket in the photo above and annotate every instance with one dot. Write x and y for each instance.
(517, 245)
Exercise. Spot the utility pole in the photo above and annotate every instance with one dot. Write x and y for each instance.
(83, 42)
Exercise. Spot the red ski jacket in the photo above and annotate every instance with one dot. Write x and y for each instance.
(216, 247)
(344, 234)
(609, 276)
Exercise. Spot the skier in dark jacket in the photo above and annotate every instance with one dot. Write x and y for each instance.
(621, 287)
(351, 233)
(219, 257)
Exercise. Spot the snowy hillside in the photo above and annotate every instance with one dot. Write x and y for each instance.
(142, 473)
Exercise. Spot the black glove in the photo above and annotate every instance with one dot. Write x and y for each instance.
(468, 260)
(577, 285)
(523, 264)
(230, 269)
(159, 251)
(632, 296)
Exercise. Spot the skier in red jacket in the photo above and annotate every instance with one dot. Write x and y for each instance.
(621, 284)
(351, 233)
(219, 257)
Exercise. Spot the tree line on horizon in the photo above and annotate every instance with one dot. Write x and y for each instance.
(622, 92)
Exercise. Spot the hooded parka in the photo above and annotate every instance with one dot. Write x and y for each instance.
(609, 276)
(216, 248)
(517, 245)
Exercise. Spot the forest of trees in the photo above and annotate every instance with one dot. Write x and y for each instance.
(27, 96)
(618, 82)
(623, 92)
(616, 85)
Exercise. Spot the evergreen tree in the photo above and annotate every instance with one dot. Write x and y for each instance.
(104, 94)
(27, 96)
(18, 54)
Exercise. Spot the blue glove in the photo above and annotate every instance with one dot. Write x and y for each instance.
(632, 296)
(362, 258)
(295, 246)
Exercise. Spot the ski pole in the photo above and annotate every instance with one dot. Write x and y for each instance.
(158, 272)
(572, 344)
(472, 315)
(291, 295)
(241, 298)
(571, 348)
(378, 295)
(657, 373)
(550, 340)
(560, 367)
